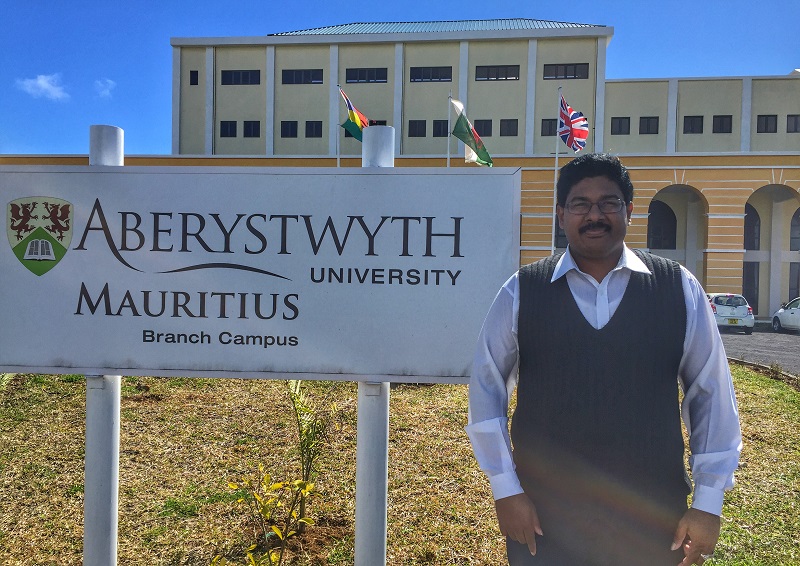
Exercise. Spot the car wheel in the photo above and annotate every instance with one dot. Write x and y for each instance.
(776, 325)
(748, 331)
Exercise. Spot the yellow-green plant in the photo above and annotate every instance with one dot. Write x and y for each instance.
(275, 507)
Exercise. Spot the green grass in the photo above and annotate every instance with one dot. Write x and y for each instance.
(182, 440)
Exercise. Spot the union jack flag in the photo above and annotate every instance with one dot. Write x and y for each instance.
(572, 127)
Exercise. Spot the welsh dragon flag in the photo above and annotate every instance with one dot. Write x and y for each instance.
(474, 150)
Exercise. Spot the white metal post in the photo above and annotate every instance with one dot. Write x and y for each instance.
(103, 392)
(372, 443)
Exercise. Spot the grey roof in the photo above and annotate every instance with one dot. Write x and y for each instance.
(433, 27)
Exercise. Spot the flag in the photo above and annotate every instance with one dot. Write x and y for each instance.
(474, 150)
(572, 127)
(356, 121)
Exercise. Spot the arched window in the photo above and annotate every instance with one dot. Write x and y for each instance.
(794, 233)
(752, 228)
(662, 226)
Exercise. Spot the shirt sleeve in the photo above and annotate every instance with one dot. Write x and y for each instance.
(709, 406)
(491, 382)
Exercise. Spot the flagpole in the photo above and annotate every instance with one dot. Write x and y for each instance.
(338, 157)
(449, 126)
(555, 181)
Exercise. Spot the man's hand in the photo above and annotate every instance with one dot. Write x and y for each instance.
(518, 520)
(697, 532)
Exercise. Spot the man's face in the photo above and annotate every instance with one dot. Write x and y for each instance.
(594, 235)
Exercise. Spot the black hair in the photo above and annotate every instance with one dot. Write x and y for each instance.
(593, 165)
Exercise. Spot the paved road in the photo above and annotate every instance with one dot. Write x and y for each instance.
(765, 347)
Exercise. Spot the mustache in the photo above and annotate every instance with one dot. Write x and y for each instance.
(594, 226)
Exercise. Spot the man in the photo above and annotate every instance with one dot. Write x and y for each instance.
(596, 341)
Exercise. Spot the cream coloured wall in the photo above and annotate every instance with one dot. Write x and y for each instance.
(302, 102)
(579, 93)
(428, 100)
(193, 101)
(777, 96)
(497, 100)
(636, 99)
(239, 102)
(708, 98)
(374, 100)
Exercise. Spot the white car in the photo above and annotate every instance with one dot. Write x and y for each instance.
(787, 317)
(732, 311)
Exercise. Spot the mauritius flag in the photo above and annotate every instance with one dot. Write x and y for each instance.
(474, 150)
(356, 121)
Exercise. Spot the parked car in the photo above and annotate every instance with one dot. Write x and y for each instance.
(787, 317)
(732, 311)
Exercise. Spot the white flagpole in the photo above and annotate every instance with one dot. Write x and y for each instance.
(338, 156)
(555, 182)
(449, 125)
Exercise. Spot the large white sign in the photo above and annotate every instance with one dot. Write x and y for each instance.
(251, 272)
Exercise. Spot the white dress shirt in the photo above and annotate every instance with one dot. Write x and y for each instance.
(708, 408)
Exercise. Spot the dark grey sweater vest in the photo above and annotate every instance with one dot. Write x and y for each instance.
(597, 410)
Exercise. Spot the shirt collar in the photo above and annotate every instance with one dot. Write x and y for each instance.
(628, 260)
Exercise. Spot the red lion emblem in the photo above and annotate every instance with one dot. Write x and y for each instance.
(58, 216)
(21, 215)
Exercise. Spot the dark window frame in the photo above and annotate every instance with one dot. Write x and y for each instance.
(240, 77)
(767, 124)
(194, 78)
(441, 129)
(509, 127)
(288, 129)
(646, 125)
(794, 232)
(620, 125)
(793, 123)
(313, 128)
(483, 127)
(251, 129)
(722, 124)
(692, 125)
(227, 128)
(549, 127)
(752, 228)
(417, 128)
(497, 72)
(556, 71)
(366, 75)
(442, 74)
(662, 226)
(302, 76)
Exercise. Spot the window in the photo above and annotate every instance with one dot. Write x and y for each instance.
(692, 124)
(313, 128)
(241, 77)
(227, 129)
(194, 78)
(722, 124)
(794, 279)
(440, 129)
(662, 226)
(793, 124)
(767, 124)
(366, 75)
(252, 129)
(431, 74)
(497, 73)
(752, 228)
(289, 128)
(794, 232)
(416, 128)
(750, 284)
(648, 125)
(561, 236)
(566, 71)
(620, 126)
(483, 128)
(509, 127)
(549, 127)
(301, 76)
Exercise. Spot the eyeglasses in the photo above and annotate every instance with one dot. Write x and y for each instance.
(606, 206)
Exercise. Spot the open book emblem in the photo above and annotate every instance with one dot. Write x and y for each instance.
(39, 230)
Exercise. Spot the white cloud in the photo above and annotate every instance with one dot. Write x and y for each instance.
(47, 86)
(103, 87)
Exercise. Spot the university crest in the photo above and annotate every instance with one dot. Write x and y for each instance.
(39, 230)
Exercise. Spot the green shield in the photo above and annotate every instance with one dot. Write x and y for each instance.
(39, 231)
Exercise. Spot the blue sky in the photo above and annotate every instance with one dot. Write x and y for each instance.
(68, 64)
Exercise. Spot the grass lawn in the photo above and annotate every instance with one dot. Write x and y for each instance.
(183, 440)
